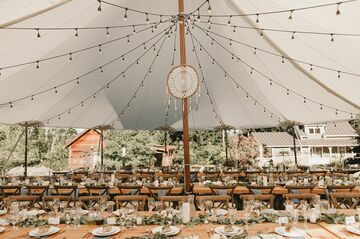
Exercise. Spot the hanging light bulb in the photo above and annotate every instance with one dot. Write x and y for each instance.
(56, 91)
(70, 56)
(257, 18)
(147, 18)
(209, 7)
(321, 106)
(332, 37)
(76, 33)
(99, 8)
(100, 50)
(107, 31)
(261, 32)
(198, 16)
(77, 81)
(101, 69)
(251, 71)
(234, 29)
(337, 8)
(229, 21)
(282, 60)
(125, 14)
(336, 111)
(293, 36)
(290, 16)
(38, 33)
(134, 30)
(32, 97)
(287, 92)
(311, 67)
(128, 39)
(339, 74)
(254, 51)
(37, 65)
(304, 99)
(161, 19)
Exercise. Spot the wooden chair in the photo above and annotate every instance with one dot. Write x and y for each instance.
(97, 190)
(266, 199)
(90, 201)
(340, 188)
(296, 198)
(29, 200)
(298, 189)
(7, 190)
(137, 201)
(344, 200)
(223, 190)
(157, 192)
(38, 191)
(219, 200)
(172, 201)
(254, 189)
(47, 199)
(64, 190)
(129, 189)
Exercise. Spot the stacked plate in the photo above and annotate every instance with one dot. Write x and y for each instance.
(220, 212)
(172, 232)
(235, 231)
(101, 233)
(36, 233)
(353, 229)
(293, 233)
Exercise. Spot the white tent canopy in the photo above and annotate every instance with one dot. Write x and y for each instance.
(96, 99)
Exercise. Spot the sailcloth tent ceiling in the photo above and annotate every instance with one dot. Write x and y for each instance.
(256, 70)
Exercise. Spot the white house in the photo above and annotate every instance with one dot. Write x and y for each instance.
(315, 144)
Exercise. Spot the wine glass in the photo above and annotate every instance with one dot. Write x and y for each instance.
(232, 215)
(151, 204)
(67, 217)
(201, 206)
(159, 207)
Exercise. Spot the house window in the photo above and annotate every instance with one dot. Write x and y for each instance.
(311, 131)
(317, 131)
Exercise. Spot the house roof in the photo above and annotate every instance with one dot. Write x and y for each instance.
(342, 128)
(274, 139)
(78, 136)
(329, 142)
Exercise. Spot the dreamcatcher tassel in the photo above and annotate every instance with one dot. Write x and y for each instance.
(197, 100)
(190, 103)
(175, 108)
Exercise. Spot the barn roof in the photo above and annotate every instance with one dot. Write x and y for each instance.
(78, 136)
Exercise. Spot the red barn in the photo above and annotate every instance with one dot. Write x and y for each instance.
(84, 149)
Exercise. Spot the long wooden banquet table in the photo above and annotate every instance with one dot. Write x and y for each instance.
(314, 231)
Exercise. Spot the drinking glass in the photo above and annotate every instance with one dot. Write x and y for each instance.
(201, 206)
(110, 207)
(67, 217)
(159, 207)
(151, 204)
(208, 206)
(232, 216)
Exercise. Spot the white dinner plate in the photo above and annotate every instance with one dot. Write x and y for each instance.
(173, 231)
(220, 212)
(99, 231)
(294, 232)
(236, 231)
(35, 212)
(353, 229)
(52, 230)
(2, 229)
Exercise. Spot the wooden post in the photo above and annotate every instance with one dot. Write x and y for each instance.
(294, 141)
(226, 147)
(102, 147)
(26, 151)
(184, 102)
